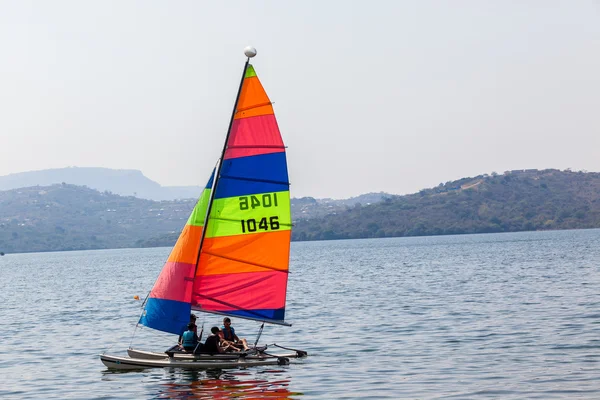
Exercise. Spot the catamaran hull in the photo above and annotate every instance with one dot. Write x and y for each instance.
(151, 355)
(128, 363)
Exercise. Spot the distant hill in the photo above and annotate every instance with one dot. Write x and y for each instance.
(309, 207)
(305, 208)
(125, 182)
(69, 217)
(520, 200)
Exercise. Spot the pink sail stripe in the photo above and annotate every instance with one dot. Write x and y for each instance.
(254, 131)
(246, 291)
(175, 282)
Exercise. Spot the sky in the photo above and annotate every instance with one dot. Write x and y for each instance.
(392, 96)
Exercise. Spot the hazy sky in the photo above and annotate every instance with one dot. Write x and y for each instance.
(390, 96)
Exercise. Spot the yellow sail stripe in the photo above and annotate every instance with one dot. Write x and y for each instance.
(199, 213)
(243, 215)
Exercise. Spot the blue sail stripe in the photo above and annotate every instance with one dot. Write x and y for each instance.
(166, 315)
(268, 314)
(263, 173)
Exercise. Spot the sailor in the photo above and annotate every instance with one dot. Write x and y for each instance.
(228, 335)
(184, 328)
(189, 339)
(193, 321)
(213, 344)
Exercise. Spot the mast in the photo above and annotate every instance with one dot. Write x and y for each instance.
(249, 52)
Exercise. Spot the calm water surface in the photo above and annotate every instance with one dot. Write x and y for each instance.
(507, 316)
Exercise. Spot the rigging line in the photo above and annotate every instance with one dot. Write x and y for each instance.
(268, 103)
(288, 348)
(133, 336)
(240, 178)
(201, 332)
(245, 262)
(259, 333)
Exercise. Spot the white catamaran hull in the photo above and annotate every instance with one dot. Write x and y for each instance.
(124, 363)
(152, 355)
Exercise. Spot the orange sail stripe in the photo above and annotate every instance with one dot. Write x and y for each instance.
(254, 112)
(186, 248)
(253, 100)
(245, 253)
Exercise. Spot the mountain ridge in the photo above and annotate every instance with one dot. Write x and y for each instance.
(518, 200)
(70, 217)
(125, 182)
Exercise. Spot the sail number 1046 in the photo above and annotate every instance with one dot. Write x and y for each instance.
(266, 200)
(252, 225)
(251, 202)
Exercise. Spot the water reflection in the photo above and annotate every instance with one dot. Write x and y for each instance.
(219, 384)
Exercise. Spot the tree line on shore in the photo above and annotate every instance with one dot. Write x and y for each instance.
(69, 217)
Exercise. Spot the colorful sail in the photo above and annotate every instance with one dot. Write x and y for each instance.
(168, 305)
(240, 266)
(243, 265)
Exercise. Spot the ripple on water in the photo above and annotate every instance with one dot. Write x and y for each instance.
(505, 316)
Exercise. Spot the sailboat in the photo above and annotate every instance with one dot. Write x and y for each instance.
(232, 256)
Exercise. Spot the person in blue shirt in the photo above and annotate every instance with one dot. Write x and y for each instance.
(185, 327)
(229, 337)
(189, 339)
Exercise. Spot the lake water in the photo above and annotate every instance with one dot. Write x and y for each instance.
(507, 316)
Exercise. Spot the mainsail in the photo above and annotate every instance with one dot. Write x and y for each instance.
(233, 261)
